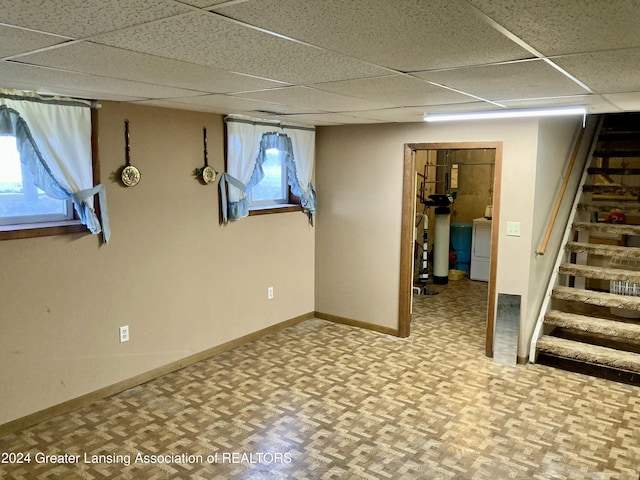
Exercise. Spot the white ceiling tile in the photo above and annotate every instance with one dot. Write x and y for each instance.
(406, 35)
(629, 102)
(313, 99)
(454, 107)
(605, 72)
(594, 103)
(327, 119)
(13, 74)
(71, 91)
(398, 90)
(17, 40)
(204, 3)
(114, 62)
(179, 105)
(81, 18)
(528, 79)
(419, 112)
(337, 55)
(228, 104)
(215, 41)
(391, 115)
(568, 26)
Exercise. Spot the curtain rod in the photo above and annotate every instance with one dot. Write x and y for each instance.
(265, 123)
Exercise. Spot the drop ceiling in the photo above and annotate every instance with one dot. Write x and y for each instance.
(327, 62)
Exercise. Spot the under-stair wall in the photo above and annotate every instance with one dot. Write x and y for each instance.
(590, 318)
(558, 144)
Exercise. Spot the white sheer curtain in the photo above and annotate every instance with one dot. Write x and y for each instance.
(54, 139)
(303, 141)
(243, 145)
(244, 140)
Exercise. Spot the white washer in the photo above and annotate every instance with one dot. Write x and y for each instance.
(480, 250)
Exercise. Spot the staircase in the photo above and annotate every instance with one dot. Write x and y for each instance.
(591, 322)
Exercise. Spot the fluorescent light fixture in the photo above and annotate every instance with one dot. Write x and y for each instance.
(519, 113)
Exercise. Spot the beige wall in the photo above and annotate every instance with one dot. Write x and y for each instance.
(555, 146)
(359, 182)
(359, 189)
(475, 183)
(182, 282)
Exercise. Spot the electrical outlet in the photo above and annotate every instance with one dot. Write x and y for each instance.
(513, 229)
(270, 293)
(124, 333)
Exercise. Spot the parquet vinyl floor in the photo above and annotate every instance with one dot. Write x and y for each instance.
(327, 401)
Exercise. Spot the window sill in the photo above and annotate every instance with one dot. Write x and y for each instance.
(277, 208)
(31, 230)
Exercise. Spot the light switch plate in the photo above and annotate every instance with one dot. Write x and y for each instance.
(513, 229)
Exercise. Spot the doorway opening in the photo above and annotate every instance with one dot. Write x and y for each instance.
(444, 164)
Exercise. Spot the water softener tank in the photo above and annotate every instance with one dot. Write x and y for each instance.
(461, 234)
(441, 246)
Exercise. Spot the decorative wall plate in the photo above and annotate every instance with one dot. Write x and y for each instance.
(209, 174)
(130, 176)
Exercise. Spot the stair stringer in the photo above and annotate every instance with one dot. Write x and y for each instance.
(561, 256)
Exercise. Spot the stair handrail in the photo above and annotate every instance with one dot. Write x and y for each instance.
(556, 208)
(559, 259)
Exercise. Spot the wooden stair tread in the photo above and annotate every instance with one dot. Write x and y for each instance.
(589, 353)
(600, 326)
(602, 299)
(601, 273)
(619, 228)
(613, 251)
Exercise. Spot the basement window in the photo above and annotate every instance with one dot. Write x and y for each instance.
(272, 193)
(269, 169)
(21, 201)
(273, 188)
(48, 176)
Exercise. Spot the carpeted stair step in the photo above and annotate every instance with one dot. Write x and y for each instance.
(615, 228)
(617, 343)
(585, 352)
(600, 326)
(623, 190)
(613, 171)
(612, 251)
(629, 208)
(600, 273)
(601, 299)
